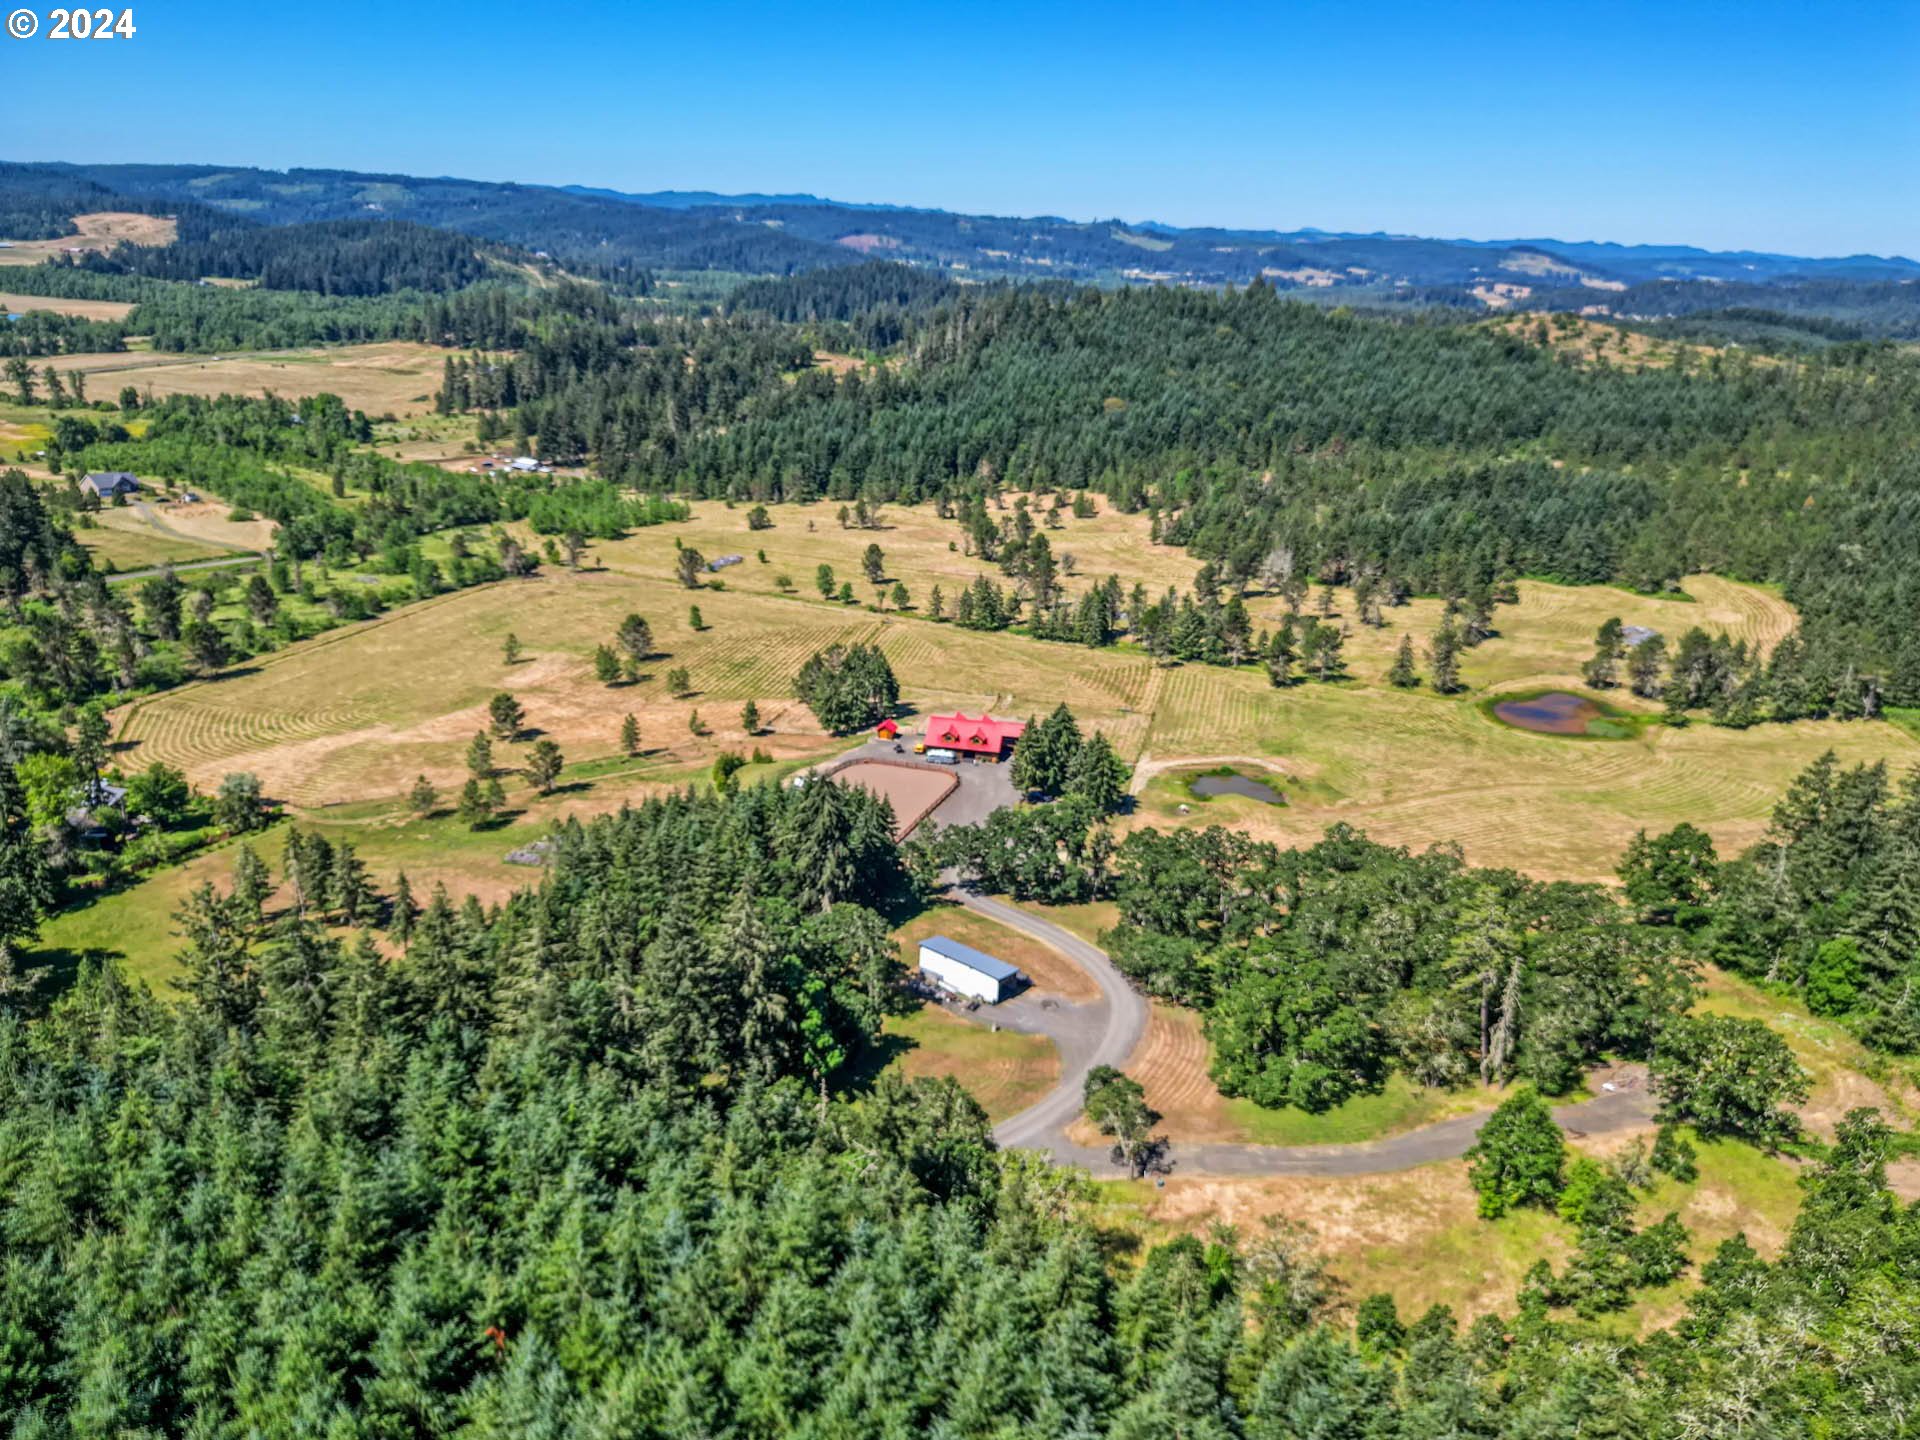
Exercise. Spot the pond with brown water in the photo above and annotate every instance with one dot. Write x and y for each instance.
(1559, 713)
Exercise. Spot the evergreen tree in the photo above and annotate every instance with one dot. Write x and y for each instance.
(26, 889)
(1443, 659)
(1403, 675)
(402, 910)
(544, 763)
(252, 886)
(506, 717)
(422, 798)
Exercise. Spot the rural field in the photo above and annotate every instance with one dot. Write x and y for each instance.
(101, 230)
(84, 309)
(355, 715)
(142, 534)
(390, 376)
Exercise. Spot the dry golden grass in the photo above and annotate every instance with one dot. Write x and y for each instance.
(358, 713)
(1415, 1234)
(101, 230)
(395, 376)
(152, 534)
(85, 309)
(1589, 339)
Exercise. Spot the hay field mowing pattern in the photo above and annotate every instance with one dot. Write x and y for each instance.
(356, 715)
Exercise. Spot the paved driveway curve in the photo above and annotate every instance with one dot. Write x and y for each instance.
(1106, 1031)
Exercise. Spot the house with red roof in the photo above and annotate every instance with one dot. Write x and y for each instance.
(967, 735)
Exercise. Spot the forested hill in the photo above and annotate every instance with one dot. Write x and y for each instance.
(1434, 454)
(578, 230)
(330, 257)
(787, 234)
(570, 1169)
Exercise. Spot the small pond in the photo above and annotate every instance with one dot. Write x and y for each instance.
(1559, 713)
(1234, 783)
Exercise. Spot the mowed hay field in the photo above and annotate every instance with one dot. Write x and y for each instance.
(356, 714)
(391, 376)
(101, 230)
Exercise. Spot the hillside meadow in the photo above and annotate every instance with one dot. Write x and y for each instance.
(353, 716)
(391, 376)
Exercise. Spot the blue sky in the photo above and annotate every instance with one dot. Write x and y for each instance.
(1759, 125)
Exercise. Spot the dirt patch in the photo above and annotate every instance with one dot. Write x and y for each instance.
(1307, 275)
(207, 520)
(867, 244)
(912, 790)
(836, 365)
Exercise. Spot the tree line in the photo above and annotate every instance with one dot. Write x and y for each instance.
(601, 1159)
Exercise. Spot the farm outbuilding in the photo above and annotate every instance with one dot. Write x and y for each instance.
(963, 970)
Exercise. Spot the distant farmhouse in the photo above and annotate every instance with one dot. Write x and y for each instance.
(108, 483)
(949, 736)
(95, 796)
(962, 970)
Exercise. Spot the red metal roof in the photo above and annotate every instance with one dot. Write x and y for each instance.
(982, 735)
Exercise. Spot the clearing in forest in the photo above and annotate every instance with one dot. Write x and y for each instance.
(355, 715)
(84, 309)
(395, 377)
(101, 230)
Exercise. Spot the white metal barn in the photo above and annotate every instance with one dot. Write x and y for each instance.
(964, 970)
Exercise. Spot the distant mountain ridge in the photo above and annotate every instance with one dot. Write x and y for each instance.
(1612, 259)
(792, 233)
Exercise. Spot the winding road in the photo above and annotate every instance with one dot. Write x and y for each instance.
(1105, 1032)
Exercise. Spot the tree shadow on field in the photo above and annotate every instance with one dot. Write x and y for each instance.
(858, 1075)
(50, 973)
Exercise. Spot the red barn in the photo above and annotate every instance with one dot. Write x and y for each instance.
(968, 736)
(887, 729)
